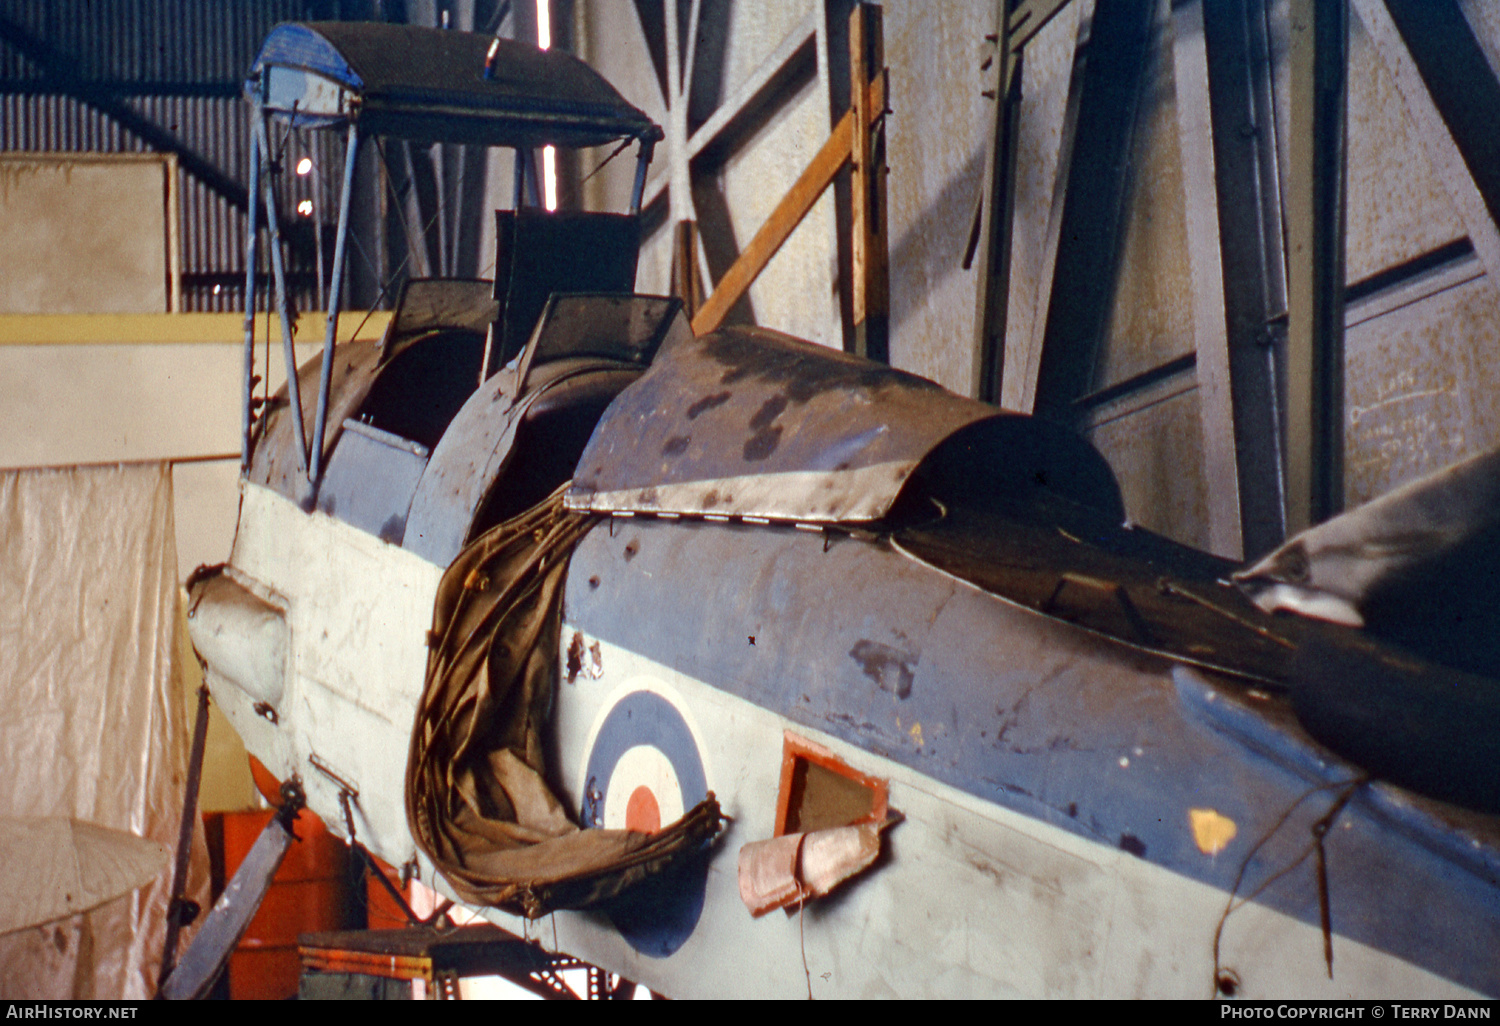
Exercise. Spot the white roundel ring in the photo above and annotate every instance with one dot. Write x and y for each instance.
(644, 767)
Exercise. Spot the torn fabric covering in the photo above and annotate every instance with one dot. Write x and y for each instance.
(793, 868)
(477, 797)
(52, 867)
(96, 728)
(1418, 567)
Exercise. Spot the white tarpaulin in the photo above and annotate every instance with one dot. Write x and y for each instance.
(95, 726)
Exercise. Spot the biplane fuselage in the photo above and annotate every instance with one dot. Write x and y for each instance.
(815, 587)
(1076, 808)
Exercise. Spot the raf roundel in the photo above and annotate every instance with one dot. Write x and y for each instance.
(644, 770)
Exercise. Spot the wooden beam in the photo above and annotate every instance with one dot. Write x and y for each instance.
(785, 218)
(870, 275)
(685, 284)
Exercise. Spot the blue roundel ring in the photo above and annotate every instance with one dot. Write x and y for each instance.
(658, 916)
(642, 718)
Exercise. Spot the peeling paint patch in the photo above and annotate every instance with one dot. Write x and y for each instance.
(1211, 831)
(393, 529)
(890, 668)
(575, 656)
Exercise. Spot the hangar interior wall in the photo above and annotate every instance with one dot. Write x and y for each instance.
(747, 93)
(1421, 308)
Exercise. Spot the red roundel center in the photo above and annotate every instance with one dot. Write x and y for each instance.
(641, 812)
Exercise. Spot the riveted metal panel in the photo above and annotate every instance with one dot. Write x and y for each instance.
(749, 422)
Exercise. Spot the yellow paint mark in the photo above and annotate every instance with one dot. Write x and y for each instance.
(916, 733)
(1211, 831)
(174, 328)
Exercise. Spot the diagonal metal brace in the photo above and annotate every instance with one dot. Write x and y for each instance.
(205, 958)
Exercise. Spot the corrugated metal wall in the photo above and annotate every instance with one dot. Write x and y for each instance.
(179, 66)
(169, 45)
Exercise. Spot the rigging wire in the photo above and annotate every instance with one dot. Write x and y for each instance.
(1319, 831)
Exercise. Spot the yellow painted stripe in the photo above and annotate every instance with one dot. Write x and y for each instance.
(161, 329)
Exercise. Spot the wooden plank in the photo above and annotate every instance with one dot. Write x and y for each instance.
(859, 162)
(871, 289)
(685, 285)
(785, 218)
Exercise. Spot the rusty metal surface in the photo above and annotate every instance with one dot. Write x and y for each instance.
(750, 422)
(274, 463)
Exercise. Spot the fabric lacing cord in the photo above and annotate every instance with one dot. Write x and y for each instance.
(477, 797)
